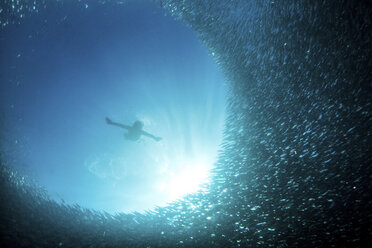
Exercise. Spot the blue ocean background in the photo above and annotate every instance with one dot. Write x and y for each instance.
(65, 69)
(287, 164)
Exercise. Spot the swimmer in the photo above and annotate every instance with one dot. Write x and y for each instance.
(134, 132)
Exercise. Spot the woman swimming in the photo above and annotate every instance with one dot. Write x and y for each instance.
(134, 132)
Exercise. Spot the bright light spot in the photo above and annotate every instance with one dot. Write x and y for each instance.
(187, 179)
(162, 187)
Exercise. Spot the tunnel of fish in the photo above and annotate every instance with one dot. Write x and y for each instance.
(294, 168)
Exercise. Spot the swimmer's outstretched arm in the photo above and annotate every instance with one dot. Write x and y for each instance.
(151, 136)
(110, 122)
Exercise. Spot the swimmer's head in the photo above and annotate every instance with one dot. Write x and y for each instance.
(138, 125)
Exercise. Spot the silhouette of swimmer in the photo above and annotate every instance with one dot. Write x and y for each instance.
(134, 132)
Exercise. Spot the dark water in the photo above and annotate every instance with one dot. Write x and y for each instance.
(295, 164)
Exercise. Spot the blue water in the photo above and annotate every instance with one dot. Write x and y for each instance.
(65, 69)
(294, 166)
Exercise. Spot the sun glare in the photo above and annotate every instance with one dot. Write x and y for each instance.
(187, 179)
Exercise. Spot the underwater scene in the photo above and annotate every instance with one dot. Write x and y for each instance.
(76, 83)
(185, 123)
